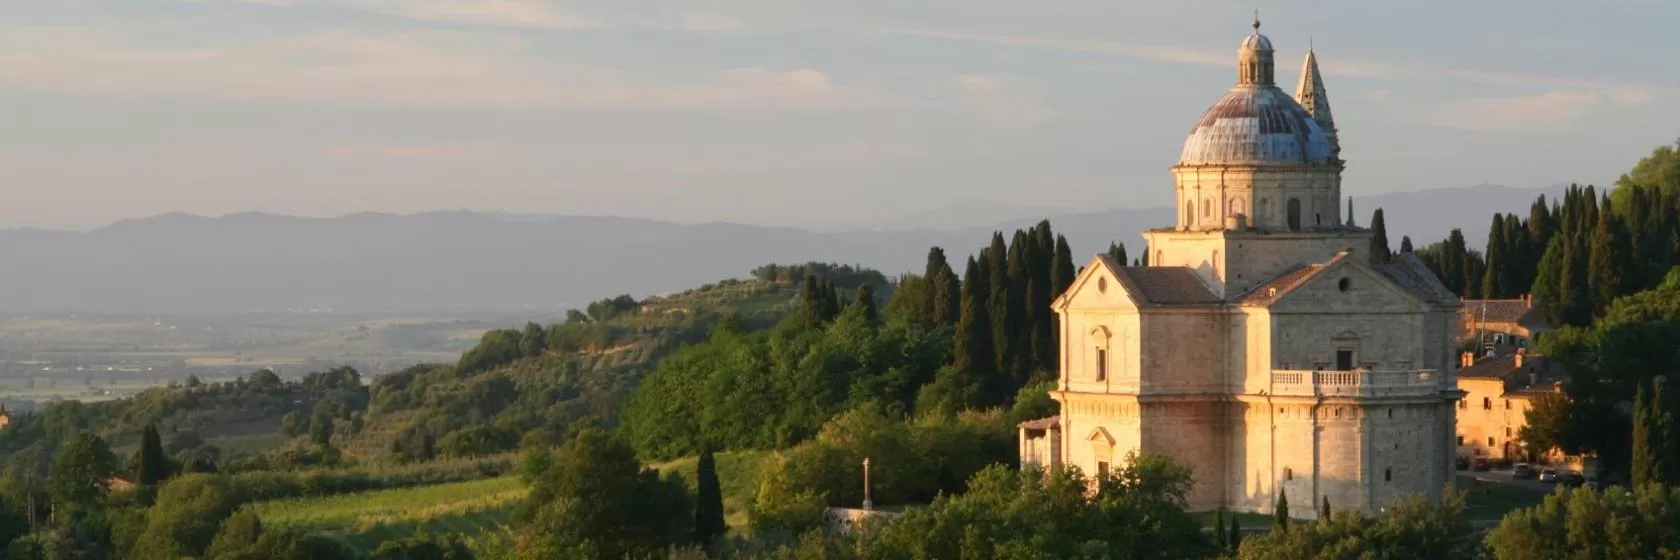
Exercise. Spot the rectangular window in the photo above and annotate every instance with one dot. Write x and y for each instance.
(1487, 403)
(1507, 431)
(1490, 441)
(1388, 475)
(1102, 365)
(1102, 468)
(1344, 360)
(1461, 441)
(1507, 403)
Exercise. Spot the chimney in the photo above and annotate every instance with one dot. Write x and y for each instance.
(1467, 360)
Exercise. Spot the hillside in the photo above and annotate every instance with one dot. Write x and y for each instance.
(441, 261)
(545, 379)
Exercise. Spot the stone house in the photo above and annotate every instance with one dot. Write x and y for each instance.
(1498, 392)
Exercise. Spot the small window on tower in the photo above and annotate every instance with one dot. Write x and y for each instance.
(1288, 473)
(1388, 475)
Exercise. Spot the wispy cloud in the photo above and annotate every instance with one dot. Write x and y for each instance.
(1544, 111)
(534, 14)
(423, 69)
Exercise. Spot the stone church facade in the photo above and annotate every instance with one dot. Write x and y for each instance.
(1260, 346)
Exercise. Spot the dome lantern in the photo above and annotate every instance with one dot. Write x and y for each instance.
(1254, 58)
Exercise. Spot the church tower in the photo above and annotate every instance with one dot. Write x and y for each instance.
(1259, 182)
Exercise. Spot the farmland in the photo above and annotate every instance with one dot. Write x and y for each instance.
(477, 510)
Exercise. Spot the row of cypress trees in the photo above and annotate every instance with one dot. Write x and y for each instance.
(1574, 254)
(999, 309)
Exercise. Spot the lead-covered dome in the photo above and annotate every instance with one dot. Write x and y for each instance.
(1256, 124)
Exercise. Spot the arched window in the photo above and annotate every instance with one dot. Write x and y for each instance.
(1207, 207)
(1294, 214)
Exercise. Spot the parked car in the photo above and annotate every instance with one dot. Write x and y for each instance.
(1548, 474)
(1463, 463)
(1571, 479)
(1522, 471)
(1480, 464)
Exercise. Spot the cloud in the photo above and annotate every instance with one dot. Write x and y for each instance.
(533, 14)
(1544, 111)
(1147, 52)
(389, 152)
(407, 69)
(704, 22)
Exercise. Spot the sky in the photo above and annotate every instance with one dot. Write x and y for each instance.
(815, 114)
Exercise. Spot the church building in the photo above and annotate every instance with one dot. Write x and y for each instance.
(1263, 345)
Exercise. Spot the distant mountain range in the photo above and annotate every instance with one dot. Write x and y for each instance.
(467, 261)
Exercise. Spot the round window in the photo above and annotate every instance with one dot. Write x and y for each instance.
(1102, 285)
(1343, 284)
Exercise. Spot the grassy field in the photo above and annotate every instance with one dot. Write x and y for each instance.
(478, 510)
(1487, 503)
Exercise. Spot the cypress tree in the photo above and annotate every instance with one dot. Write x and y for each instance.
(1647, 464)
(1236, 535)
(1405, 244)
(1548, 283)
(1062, 271)
(1280, 520)
(1492, 287)
(944, 302)
(708, 496)
(1380, 253)
(1219, 528)
(1015, 325)
(1324, 509)
(1574, 303)
(154, 467)
(866, 299)
(972, 350)
(1117, 251)
(1040, 261)
(810, 302)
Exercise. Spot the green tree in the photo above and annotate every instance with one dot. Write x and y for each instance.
(1117, 252)
(708, 505)
(321, 427)
(424, 547)
(1416, 527)
(1280, 513)
(1380, 253)
(186, 518)
(1236, 535)
(866, 302)
(1651, 429)
(973, 352)
(239, 533)
(1405, 244)
(153, 466)
(81, 473)
(1219, 536)
(598, 502)
(1324, 508)
(1583, 523)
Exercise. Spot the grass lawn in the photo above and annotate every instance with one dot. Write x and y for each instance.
(1245, 520)
(1486, 503)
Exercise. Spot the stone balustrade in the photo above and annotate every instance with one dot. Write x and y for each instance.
(1353, 383)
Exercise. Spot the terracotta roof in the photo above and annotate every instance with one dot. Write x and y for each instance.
(1411, 274)
(1272, 290)
(1042, 423)
(1496, 310)
(1167, 285)
(1505, 368)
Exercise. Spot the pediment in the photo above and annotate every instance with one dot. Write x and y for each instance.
(1348, 285)
(1098, 286)
(1100, 436)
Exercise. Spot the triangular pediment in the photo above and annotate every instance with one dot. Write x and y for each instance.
(1100, 436)
(1099, 285)
(1344, 284)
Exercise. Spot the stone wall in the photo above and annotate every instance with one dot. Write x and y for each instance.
(1234, 262)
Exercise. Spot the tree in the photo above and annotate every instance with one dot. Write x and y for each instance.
(1219, 529)
(154, 465)
(973, 352)
(1280, 514)
(292, 424)
(708, 505)
(1651, 429)
(321, 427)
(1380, 253)
(1405, 244)
(944, 299)
(81, 473)
(598, 502)
(1416, 527)
(1236, 535)
(1324, 509)
(1583, 523)
(866, 301)
(1117, 252)
(186, 518)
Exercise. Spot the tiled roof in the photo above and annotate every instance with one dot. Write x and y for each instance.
(1505, 368)
(1496, 310)
(1272, 290)
(1410, 273)
(1042, 423)
(1167, 285)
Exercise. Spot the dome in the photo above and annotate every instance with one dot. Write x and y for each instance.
(1256, 125)
(1256, 42)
